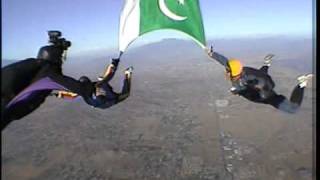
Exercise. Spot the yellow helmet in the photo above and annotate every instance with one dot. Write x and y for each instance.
(234, 67)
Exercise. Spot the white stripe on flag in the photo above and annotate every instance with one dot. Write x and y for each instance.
(129, 23)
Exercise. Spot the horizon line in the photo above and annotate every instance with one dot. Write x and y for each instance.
(114, 49)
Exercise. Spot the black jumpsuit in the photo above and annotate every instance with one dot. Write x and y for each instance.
(257, 85)
(23, 74)
(17, 77)
(87, 89)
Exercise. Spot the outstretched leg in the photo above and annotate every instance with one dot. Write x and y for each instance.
(297, 95)
(282, 103)
(295, 100)
(267, 63)
(265, 69)
(298, 91)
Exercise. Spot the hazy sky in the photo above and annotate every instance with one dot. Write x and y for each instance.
(94, 24)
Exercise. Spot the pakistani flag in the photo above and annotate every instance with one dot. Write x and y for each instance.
(141, 16)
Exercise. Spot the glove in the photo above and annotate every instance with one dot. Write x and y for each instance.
(115, 61)
(128, 72)
(210, 51)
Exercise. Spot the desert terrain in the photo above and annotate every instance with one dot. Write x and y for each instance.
(180, 122)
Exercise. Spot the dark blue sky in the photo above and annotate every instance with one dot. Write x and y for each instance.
(94, 24)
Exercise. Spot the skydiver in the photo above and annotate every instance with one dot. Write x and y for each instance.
(27, 83)
(257, 85)
(98, 94)
(23, 76)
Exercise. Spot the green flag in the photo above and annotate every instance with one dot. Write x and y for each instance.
(141, 16)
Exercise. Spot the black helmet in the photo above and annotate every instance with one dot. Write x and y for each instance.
(84, 79)
(51, 53)
(54, 52)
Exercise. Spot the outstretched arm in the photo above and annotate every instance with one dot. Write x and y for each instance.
(126, 85)
(73, 85)
(218, 57)
(110, 70)
(125, 90)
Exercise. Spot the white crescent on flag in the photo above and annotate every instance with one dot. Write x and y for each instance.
(167, 12)
(142, 16)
